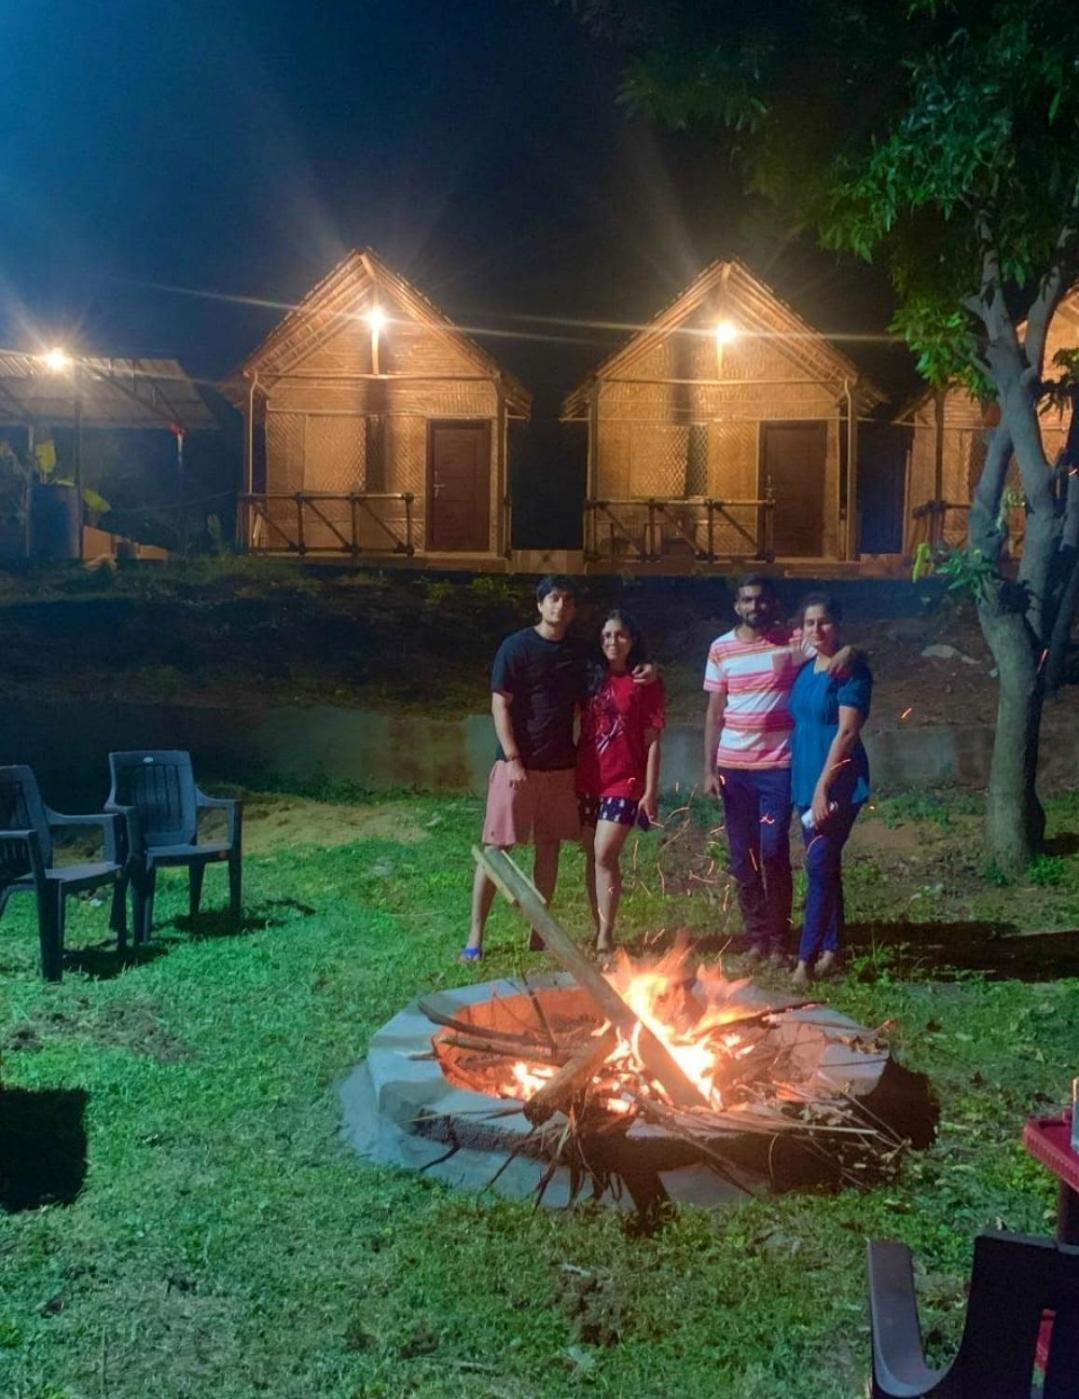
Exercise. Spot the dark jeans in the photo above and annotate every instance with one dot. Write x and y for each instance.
(758, 811)
(823, 921)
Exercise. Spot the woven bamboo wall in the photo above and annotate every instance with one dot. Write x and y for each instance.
(326, 431)
(671, 439)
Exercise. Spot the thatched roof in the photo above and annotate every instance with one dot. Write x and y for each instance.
(728, 287)
(112, 393)
(346, 293)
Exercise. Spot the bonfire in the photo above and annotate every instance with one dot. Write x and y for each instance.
(677, 1047)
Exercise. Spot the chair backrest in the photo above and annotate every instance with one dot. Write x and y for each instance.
(161, 785)
(21, 809)
(1014, 1279)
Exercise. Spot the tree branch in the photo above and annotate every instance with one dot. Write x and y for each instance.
(989, 304)
(984, 530)
(1052, 289)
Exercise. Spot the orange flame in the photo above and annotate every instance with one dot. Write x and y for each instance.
(658, 996)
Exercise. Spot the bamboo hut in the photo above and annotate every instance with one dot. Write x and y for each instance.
(376, 428)
(949, 437)
(725, 430)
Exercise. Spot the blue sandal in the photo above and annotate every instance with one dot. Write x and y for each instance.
(470, 954)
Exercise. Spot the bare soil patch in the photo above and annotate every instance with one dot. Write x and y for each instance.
(274, 823)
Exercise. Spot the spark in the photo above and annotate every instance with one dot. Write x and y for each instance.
(1044, 658)
(906, 714)
(767, 820)
(753, 857)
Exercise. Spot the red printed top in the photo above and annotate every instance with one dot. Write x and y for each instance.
(612, 757)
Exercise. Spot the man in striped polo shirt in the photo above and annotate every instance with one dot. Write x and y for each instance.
(749, 677)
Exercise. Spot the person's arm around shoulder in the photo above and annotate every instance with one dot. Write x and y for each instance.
(846, 661)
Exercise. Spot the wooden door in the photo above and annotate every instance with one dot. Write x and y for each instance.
(792, 471)
(459, 487)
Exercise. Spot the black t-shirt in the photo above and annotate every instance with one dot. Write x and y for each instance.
(547, 682)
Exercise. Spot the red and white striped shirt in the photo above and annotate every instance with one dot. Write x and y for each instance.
(756, 678)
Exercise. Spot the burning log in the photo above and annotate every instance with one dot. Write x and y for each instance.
(519, 891)
(572, 1079)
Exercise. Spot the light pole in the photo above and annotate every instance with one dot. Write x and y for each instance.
(58, 361)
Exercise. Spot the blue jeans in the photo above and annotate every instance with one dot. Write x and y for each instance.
(758, 811)
(823, 921)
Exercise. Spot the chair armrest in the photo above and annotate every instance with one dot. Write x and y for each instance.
(231, 805)
(33, 849)
(109, 821)
(899, 1368)
(132, 826)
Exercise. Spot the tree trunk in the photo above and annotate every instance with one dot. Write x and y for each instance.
(1014, 819)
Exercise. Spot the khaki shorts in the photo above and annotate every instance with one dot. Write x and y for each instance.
(543, 809)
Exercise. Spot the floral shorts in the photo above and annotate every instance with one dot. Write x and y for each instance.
(621, 810)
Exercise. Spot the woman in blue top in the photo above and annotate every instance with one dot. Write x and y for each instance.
(829, 778)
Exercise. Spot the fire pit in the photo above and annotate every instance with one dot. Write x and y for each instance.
(526, 1089)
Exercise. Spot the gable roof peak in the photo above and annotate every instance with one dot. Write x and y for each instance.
(334, 300)
(748, 298)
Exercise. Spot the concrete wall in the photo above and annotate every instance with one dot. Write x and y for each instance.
(67, 744)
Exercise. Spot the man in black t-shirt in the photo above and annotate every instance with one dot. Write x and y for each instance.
(537, 682)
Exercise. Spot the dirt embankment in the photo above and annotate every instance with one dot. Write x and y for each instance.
(269, 633)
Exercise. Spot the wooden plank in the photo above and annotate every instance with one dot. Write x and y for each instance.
(519, 891)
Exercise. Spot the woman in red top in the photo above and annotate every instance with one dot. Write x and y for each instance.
(617, 764)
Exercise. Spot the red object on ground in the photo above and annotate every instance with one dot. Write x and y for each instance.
(1048, 1140)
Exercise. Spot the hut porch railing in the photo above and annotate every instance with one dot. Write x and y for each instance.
(301, 522)
(939, 522)
(644, 530)
(945, 523)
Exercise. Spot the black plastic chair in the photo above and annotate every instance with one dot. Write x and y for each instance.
(156, 793)
(26, 863)
(1014, 1279)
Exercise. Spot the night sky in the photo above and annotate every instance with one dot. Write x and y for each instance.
(237, 150)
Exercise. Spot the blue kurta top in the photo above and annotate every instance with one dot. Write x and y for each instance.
(814, 704)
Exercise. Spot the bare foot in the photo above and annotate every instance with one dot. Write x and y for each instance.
(827, 964)
(800, 976)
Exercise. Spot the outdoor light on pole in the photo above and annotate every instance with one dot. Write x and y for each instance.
(376, 319)
(59, 361)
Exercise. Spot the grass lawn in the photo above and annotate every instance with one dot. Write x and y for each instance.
(217, 1238)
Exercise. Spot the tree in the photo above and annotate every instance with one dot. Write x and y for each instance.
(939, 138)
